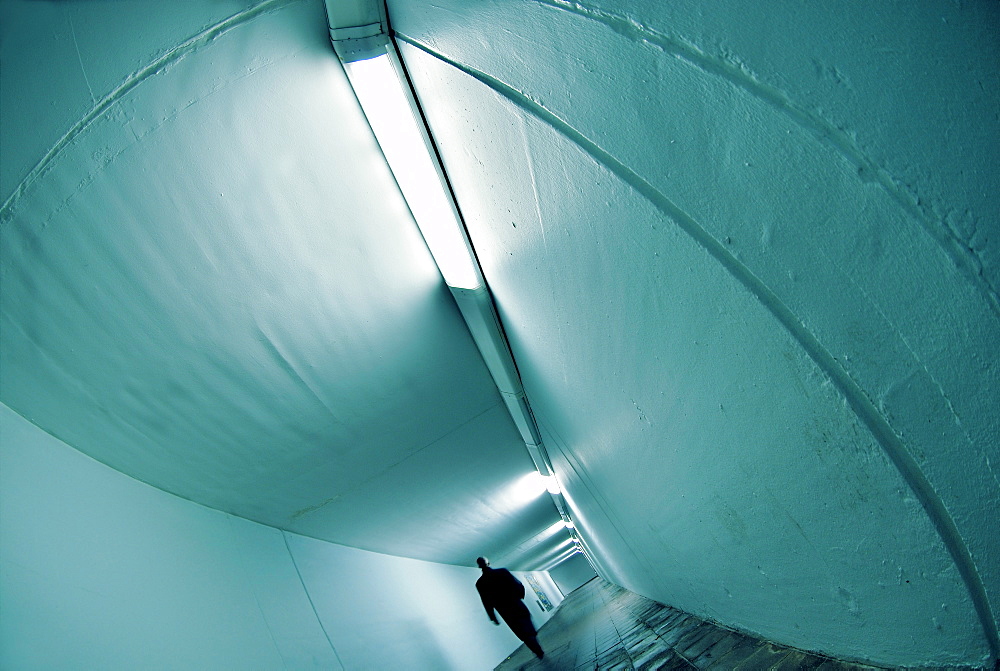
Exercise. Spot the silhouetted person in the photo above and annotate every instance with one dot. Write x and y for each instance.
(500, 590)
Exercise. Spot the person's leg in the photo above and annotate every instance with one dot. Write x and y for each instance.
(518, 619)
(533, 645)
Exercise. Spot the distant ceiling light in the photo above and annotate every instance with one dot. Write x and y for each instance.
(529, 487)
(388, 103)
(558, 559)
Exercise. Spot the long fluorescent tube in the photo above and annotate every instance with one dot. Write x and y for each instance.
(392, 114)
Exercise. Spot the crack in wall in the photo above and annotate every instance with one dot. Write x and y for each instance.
(79, 57)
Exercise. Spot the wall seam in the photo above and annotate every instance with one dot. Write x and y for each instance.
(253, 591)
(284, 537)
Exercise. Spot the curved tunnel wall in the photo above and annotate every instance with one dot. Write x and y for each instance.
(747, 262)
(210, 282)
(98, 570)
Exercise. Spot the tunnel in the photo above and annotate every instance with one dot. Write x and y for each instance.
(728, 338)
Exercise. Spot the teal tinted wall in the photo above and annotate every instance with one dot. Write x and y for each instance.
(100, 571)
(572, 573)
(746, 256)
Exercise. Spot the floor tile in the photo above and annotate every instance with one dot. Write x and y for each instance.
(603, 627)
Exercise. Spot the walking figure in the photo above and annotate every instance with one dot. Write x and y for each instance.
(500, 590)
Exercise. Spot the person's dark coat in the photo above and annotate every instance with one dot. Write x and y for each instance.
(500, 590)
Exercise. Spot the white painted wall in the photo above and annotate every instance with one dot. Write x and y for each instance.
(98, 570)
(430, 612)
(746, 255)
(747, 261)
(572, 573)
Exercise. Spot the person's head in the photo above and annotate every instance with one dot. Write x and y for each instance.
(483, 562)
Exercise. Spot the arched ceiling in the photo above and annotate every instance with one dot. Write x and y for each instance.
(212, 283)
(747, 263)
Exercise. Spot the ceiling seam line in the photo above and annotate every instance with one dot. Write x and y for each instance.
(130, 82)
(181, 497)
(200, 504)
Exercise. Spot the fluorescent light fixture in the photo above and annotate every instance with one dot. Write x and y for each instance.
(533, 485)
(529, 487)
(551, 564)
(569, 524)
(399, 129)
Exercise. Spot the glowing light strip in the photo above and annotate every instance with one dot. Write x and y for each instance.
(387, 104)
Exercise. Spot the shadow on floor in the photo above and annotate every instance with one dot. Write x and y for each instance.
(604, 626)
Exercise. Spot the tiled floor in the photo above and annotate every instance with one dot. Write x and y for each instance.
(602, 626)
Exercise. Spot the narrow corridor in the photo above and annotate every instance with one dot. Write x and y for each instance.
(603, 626)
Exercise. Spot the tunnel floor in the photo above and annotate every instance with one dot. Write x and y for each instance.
(603, 626)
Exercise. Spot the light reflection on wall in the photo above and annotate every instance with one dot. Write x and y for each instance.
(528, 487)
